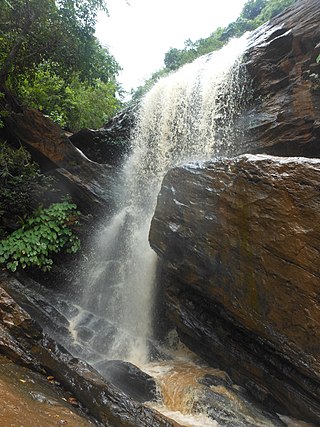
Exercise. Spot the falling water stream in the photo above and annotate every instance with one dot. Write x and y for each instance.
(187, 116)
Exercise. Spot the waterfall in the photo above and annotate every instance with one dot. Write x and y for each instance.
(186, 116)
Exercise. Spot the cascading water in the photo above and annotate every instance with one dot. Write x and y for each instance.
(186, 116)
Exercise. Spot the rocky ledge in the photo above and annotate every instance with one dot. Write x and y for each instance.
(88, 182)
(239, 241)
(23, 341)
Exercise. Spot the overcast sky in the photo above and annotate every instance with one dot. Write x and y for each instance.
(139, 32)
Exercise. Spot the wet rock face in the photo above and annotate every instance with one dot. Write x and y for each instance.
(284, 116)
(111, 143)
(98, 146)
(130, 379)
(23, 342)
(239, 239)
(88, 182)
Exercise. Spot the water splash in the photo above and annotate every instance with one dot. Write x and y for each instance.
(188, 115)
(195, 394)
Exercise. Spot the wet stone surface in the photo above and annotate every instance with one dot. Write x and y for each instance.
(239, 240)
(29, 399)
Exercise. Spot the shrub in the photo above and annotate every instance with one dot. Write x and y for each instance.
(22, 186)
(74, 104)
(46, 233)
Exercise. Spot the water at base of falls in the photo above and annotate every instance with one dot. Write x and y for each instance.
(188, 115)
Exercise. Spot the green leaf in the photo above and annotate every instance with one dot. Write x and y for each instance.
(42, 235)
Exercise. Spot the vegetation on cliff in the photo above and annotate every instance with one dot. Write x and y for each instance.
(23, 187)
(254, 14)
(32, 228)
(51, 60)
(43, 234)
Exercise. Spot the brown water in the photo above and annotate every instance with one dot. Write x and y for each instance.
(28, 399)
(182, 396)
(178, 390)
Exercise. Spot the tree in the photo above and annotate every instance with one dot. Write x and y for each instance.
(48, 50)
(172, 59)
(62, 32)
(72, 105)
(252, 8)
(273, 8)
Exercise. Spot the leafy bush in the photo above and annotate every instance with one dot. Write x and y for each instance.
(43, 234)
(22, 186)
(74, 104)
(92, 104)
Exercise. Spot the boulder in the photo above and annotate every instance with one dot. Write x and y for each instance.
(22, 341)
(129, 378)
(98, 146)
(111, 143)
(282, 62)
(239, 241)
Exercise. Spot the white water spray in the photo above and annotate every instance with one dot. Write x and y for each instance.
(186, 116)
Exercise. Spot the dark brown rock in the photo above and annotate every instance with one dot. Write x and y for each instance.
(23, 341)
(130, 379)
(239, 239)
(284, 116)
(86, 180)
(111, 143)
(98, 146)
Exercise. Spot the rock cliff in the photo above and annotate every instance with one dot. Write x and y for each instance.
(111, 143)
(283, 117)
(239, 242)
(85, 180)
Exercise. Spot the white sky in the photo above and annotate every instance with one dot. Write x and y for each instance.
(140, 32)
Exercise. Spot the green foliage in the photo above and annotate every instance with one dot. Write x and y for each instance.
(3, 113)
(72, 105)
(273, 8)
(252, 8)
(48, 51)
(62, 31)
(21, 185)
(46, 92)
(93, 104)
(46, 233)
